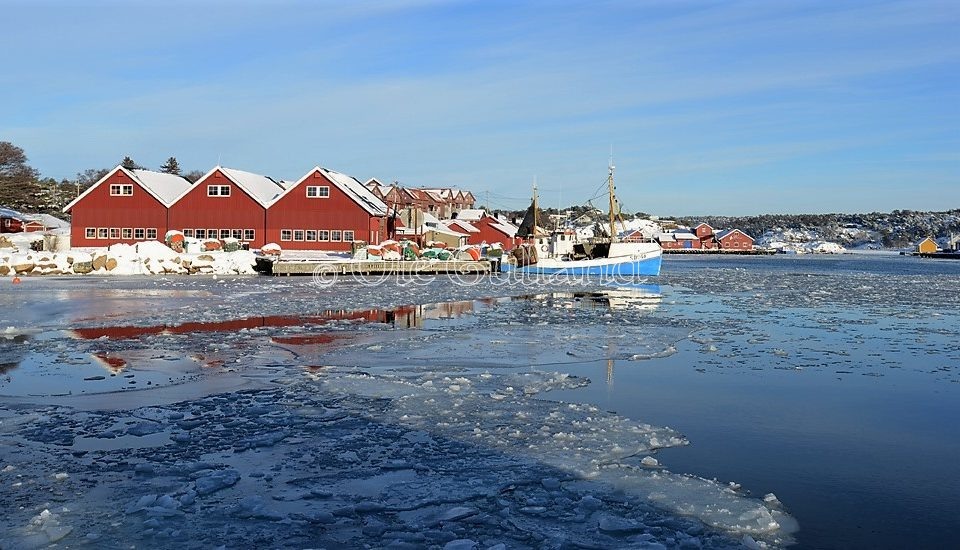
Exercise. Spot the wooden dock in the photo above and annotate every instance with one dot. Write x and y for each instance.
(381, 267)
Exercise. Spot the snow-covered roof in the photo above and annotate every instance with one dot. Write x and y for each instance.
(446, 231)
(471, 214)
(469, 227)
(684, 236)
(166, 188)
(51, 222)
(356, 191)
(506, 229)
(726, 232)
(665, 237)
(12, 214)
(263, 189)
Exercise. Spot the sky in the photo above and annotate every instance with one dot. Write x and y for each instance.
(720, 107)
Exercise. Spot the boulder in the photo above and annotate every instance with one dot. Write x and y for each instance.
(5, 242)
(110, 264)
(4, 270)
(205, 257)
(99, 262)
(24, 267)
(82, 267)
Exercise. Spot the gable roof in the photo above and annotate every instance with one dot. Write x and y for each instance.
(350, 186)
(263, 189)
(166, 188)
(508, 230)
(470, 214)
(463, 224)
(727, 232)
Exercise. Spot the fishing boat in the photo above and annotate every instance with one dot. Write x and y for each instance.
(561, 252)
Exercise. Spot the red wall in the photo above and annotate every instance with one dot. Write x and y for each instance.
(490, 235)
(295, 211)
(99, 209)
(196, 210)
(736, 241)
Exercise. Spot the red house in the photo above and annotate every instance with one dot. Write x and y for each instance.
(326, 210)
(489, 229)
(124, 206)
(707, 236)
(12, 221)
(226, 203)
(734, 239)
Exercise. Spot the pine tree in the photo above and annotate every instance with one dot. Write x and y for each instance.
(171, 166)
(129, 164)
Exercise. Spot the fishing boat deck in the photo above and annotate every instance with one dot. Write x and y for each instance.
(381, 267)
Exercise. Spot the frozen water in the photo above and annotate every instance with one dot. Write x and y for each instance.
(274, 410)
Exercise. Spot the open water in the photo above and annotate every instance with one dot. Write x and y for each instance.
(832, 382)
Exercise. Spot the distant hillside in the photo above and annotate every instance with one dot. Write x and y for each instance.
(897, 229)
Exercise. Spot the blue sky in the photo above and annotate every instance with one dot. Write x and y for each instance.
(726, 108)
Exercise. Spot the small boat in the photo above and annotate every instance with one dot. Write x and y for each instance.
(560, 252)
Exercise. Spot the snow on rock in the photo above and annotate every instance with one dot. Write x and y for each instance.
(144, 258)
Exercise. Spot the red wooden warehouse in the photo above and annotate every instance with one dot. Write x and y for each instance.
(124, 206)
(734, 239)
(226, 203)
(326, 210)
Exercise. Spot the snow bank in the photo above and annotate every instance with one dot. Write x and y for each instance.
(146, 258)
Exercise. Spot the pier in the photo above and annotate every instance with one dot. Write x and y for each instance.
(382, 267)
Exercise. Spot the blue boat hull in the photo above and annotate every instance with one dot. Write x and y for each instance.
(602, 268)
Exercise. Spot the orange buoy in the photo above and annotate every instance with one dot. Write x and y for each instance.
(474, 253)
(16, 280)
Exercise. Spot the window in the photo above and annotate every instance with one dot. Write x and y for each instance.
(311, 235)
(201, 233)
(138, 233)
(348, 236)
(236, 233)
(91, 233)
(188, 232)
(298, 235)
(318, 191)
(6, 222)
(127, 233)
(286, 235)
(224, 233)
(323, 235)
(121, 190)
(102, 232)
(114, 232)
(152, 234)
(248, 234)
(218, 190)
(211, 233)
(335, 235)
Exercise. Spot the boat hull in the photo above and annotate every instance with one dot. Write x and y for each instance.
(646, 264)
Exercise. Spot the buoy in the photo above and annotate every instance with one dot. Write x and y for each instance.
(16, 280)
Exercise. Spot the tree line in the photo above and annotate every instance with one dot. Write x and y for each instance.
(23, 188)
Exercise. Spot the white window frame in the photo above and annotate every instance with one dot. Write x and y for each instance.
(350, 233)
(91, 232)
(218, 190)
(249, 234)
(224, 234)
(102, 232)
(298, 235)
(236, 234)
(151, 233)
(121, 190)
(114, 232)
(139, 233)
(323, 235)
(200, 233)
(318, 191)
(336, 235)
(286, 235)
(188, 233)
(310, 235)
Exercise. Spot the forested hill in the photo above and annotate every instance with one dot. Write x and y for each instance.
(897, 229)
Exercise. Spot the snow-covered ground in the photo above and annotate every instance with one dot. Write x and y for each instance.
(145, 258)
(176, 414)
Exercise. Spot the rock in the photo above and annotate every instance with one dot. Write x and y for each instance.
(5, 242)
(24, 267)
(99, 262)
(4, 270)
(205, 258)
(111, 264)
(69, 260)
(82, 267)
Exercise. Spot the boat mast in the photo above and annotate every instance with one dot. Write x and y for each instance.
(533, 230)
(613, 201)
